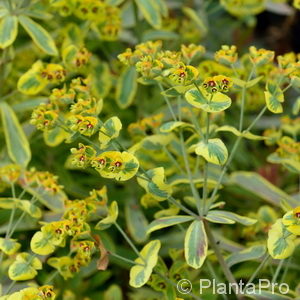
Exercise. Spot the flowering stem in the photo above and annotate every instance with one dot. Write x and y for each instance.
(33, 200)
(217, 251)
(168, 102)
(182, 207)
(244, 98)
(12, 214)
(264, 261)
(190, 176)
(128, 240)
(205, 169)
(173, 159)
(278, 269)
(124, 259)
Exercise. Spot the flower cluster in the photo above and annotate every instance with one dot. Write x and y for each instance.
(261, 56)
(74, 225)
(74, 108)
(153, 63)
(217, 83)
(110, 164)
(103, 15)
(44, 292)
(145, 126)
(227, 55)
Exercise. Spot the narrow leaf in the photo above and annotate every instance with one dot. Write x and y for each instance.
(39, 35)
(16, 141)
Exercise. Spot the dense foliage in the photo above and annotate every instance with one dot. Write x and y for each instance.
(140, 147)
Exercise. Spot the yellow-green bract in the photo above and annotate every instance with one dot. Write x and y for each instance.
(140, 273)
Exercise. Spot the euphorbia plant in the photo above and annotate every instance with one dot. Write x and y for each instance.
(163, 180)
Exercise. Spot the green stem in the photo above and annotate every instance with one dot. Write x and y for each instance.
(33, 200)
(214, 275)
(190, 176)
(165, 278)
(174, 161)
(182, 207)
(12, 214)
(123, 259)
(217, 251)
(128, 240)
(264, 261)
(257, 118)
(168, 102)
(205, 170)
(243, 99)
(278, 269)
(232, 153)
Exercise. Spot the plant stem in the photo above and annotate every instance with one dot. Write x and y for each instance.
(168, 102)
(182, 207)
(230, 158)
(190, 176)
(257, 118)
(217, 251)
(33, 200)
(128, 240)
(165, 278)
(243, 99)
(214, 275)
(266, 258)
(174, 161)
(124, 258)
(205, 169)
(232, 153)
(278, 269)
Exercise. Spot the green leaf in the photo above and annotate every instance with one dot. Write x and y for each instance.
(112, 215)
(245, 134)
(29, 208)
(9, 246)
(31, 82)
(55, 136)
(291, 164)
(261, 187)
(114, 292)
(126, 87)
(136, 221)
(154, 183)
(109, 130)
(241, 83)
(167, 222)
(16, 141)
(41, 243)
(102, 80)
(140, 274)
(8, 30)
(195, 245)
(152, 35)
(39, 35)
(217, 218)
(281, 243)
(151, 11)
(214, 151)
(254, 252)
(172, 125)
(274, 99)
(194, 16)
(24, 267)
(232, 216)
(208, 102)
